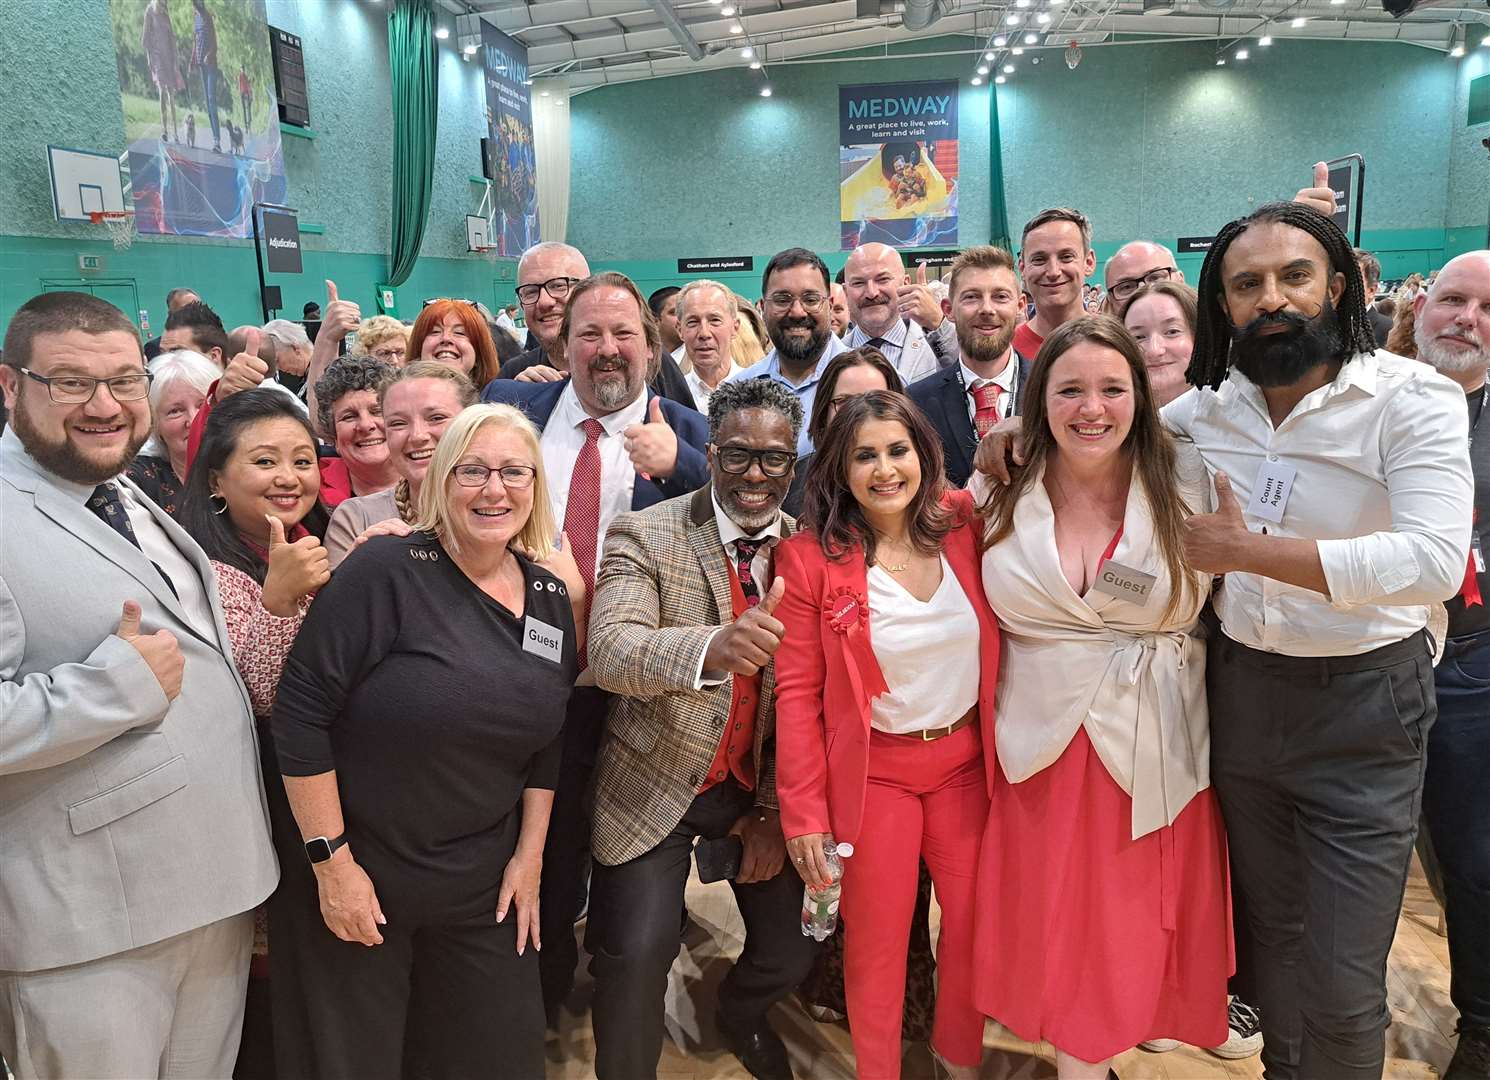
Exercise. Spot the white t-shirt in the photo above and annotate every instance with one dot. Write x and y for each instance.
(929, 653)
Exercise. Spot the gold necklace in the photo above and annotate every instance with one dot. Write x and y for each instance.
(899, 568)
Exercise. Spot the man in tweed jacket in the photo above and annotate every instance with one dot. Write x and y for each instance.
(682, 633)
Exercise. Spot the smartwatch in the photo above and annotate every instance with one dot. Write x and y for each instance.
(320, 849)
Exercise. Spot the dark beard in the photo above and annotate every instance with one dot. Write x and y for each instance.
(985, 348)
(1284, 358)
(791, 351)
(62, 459)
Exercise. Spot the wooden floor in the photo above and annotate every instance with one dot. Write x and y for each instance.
(1419, 1043)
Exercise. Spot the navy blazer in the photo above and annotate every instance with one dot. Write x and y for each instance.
(943, 399)
(537, 401)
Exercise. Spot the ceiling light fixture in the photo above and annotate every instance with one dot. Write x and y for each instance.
(469, 50)
(755, 65)
(999, 42)
(1457, 40)
(1001, 80)
(765, 91)
(982, 69)
(1018, 50)
(747, 52)
(1485, 40)
(727, 10)
(1043, 18)
(1242, 54)
(1032, 38)
(442, 33)
(977, 81)
(1012, 19)
(543, 93)
(1220, 61)
(1265, 40)
(736, 28)
(1298, 22)
(989, 55)
(1008, 69)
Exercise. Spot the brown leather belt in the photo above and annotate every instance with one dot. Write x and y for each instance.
(933, 734)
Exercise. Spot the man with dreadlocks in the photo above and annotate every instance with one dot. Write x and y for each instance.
(1343, 510)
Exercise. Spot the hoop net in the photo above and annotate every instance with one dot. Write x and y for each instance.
(121, 224)
(487, 251)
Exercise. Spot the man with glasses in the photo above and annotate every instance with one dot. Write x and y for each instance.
(545, 274)
(797, 289)
(683, 636)
(1134, 265)
(136, 833)
(609, 445)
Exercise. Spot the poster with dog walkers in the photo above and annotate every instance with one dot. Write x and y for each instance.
(897, 161)
(511, 164)
(196, 84)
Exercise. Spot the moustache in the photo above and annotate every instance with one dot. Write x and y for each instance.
(788, 322)
(1291, 319)
(1469, 338)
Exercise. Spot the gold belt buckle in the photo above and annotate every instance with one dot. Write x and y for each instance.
(933, 734)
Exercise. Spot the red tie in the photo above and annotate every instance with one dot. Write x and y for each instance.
(582, 513)
(985, 406)
(1470, 590)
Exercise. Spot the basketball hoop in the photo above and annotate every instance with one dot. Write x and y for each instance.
(121, 225)
(487, 251)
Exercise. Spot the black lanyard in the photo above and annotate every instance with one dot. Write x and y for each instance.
(1476, 414)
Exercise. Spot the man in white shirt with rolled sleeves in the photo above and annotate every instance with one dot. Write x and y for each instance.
(1344, 502)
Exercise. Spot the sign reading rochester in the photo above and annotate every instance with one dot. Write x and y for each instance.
(897, 157)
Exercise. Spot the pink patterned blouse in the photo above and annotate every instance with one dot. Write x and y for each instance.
(260, 641)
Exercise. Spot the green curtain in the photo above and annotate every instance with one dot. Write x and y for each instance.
(414, 67)
(998, 209)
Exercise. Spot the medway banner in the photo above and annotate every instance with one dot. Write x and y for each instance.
(509, 119)
(897, 157)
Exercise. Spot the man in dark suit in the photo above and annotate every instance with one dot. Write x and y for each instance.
(175, 299)
(965, 400)
(608, 445)
(1370, 266)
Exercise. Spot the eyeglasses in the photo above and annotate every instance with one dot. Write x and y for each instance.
(512, 476)
(390, 353)
(781, 303)
(79, 389)
(1128, 286)
(736, 460)
(557, 287)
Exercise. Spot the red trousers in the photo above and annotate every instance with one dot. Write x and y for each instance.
(922, 800)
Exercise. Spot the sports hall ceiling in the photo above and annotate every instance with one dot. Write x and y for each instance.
(594, 42)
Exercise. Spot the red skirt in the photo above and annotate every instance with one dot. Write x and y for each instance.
(1091, 940)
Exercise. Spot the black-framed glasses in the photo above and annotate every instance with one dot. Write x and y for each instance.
(557, 287)
(736, 460)
(512, 476)
(1128, 286)
(782, 302)
(79, 389)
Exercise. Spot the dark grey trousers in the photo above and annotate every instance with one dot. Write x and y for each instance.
(1319, 763)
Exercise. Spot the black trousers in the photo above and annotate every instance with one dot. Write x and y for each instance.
(566, 850)
(633, 929)
(1319, 765)
(452, 998)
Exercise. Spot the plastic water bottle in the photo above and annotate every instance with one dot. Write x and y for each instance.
(820, 907)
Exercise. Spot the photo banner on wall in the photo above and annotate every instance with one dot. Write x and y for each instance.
(196, 84)
(897, 159)
(509, 120)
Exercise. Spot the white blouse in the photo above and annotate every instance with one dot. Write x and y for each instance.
(1134, 680)
(928, 652)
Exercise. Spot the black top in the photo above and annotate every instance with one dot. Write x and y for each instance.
(1381, 325)
(155, 477)
(416, 687)
(1472, 620)
(669, 382)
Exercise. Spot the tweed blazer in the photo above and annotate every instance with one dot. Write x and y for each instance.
(662, 590)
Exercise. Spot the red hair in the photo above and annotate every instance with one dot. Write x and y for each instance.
(487, 365)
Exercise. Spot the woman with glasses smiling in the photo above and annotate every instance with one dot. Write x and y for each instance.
(423, 805)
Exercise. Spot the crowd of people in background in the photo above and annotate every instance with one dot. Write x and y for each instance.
(349, 665)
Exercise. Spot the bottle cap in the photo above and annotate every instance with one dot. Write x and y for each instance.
(845, 849)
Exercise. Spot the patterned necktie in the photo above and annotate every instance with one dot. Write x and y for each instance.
(745, 550)
(876, 343)
(105, 503)
(985, 406)
(582, 511)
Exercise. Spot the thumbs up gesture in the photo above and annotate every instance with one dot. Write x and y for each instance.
(160, 650)
(246, 370)
(1321, 196)
(747, 644)
(295, 570)
(917, 302)
(340, 317)
(1213, 541)
(653, 446)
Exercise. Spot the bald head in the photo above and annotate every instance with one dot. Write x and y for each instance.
(1452, 319)
(542, 311)
(1128, 267)
(871, 277)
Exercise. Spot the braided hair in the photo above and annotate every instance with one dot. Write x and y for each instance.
(1211, 359)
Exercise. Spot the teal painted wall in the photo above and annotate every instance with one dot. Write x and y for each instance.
(65, 91)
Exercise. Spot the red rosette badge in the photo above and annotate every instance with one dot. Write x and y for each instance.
(845, 610)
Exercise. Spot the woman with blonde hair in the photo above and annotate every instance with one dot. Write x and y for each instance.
(418, 403)
(384, 337)
(748, 345)
(423, 806)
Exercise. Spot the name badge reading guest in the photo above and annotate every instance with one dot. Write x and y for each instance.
(1124, 582)
(541, 639)
(1270, 490)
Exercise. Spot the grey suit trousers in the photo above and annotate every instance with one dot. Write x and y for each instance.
(170, 1009)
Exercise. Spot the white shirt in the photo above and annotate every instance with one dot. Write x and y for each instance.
(1004, 379)
(1383, 485)
(272, 384)
(700, 389)
(760, 571)
(928, 652)
(563, 439)
(160, 549)
(904, 345)
(769, 367)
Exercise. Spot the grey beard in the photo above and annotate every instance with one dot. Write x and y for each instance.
(1442, 358)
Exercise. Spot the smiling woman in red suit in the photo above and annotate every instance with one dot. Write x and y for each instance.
(884, 706)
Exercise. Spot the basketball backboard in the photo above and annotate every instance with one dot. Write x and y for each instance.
(84, 181)
(478, 232)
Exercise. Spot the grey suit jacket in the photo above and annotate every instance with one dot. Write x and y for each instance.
(125, 819)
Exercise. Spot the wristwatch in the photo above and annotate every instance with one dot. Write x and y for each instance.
(320, 849)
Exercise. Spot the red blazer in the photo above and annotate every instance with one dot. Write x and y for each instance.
(827, 675)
